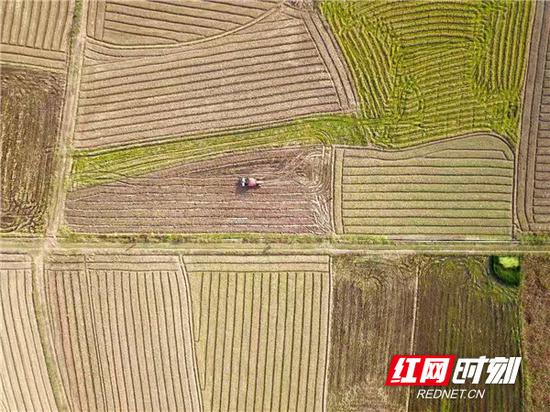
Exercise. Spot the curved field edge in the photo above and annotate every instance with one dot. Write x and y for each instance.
(426, 70)
(40, 312)
(93, 167)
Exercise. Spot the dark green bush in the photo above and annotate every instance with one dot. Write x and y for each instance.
(507, 269)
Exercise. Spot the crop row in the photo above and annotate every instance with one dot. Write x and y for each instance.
(424, 70)
(24, 380)
(271, 71)
(534, 153)
(111, 312)
(262, 338)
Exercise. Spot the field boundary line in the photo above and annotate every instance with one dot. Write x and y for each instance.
(332, 190)
(175, 46)
(49, 68)
(63, 161)
(419, 146)
(185, 276)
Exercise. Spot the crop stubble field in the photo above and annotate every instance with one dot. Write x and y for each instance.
(458, 188)
(533, 175)
(261, 329)
(204, 197)
(417, 304)
(24, 381)
(280, 66)
(36, 33)
(138, 23)
(31, 107)
(163, 331)
(121, 331)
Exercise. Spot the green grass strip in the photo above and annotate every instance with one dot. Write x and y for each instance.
(102, 166)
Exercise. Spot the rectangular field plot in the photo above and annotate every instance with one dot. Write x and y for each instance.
(31, 105)
(261, 327)
(276, 68)
(35, 33)
(24, 380)
(121, 330)
(459, 188)
(205, 196)
(464, 310)
(533, 203)
(372, 317)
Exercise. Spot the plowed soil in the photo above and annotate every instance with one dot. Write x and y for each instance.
(205, 197)
(31, 105)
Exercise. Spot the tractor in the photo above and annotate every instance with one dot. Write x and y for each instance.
(249, 182)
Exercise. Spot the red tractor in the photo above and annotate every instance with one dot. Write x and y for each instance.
(249, 182)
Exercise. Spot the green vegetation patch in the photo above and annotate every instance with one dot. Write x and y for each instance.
(507, 269)
(92, 167)
(426, 70)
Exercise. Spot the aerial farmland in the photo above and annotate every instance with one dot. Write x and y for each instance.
(228, 205)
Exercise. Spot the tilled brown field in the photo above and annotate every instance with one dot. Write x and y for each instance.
(24, 381)
(138, 22)
(459, 188)
(422, 305)
(121, 331)
(36, 33)
(372, 317)
(535, 295)
(278, 68)
(205, 197)
(31, 105)
(463, 310)
(261, 331)
(533, 177)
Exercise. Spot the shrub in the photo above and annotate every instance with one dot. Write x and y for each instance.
(507, 269)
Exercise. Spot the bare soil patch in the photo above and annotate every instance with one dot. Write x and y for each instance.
(463, 310)
(31, 105)
(372, 317)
